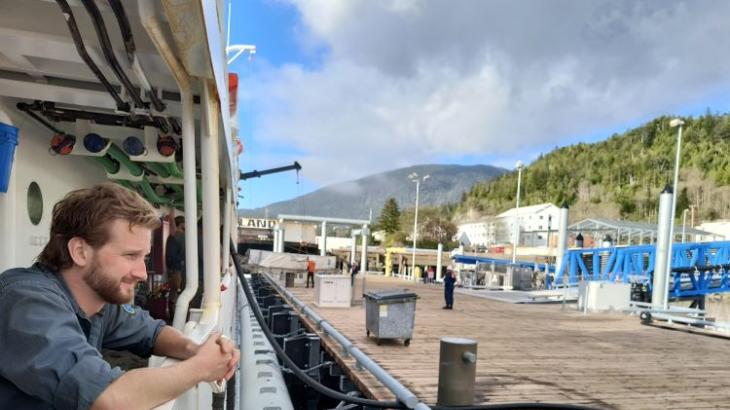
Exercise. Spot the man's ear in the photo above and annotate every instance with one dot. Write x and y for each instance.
(80, 251)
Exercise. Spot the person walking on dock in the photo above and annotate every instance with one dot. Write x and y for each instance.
(449, 282)
(354, 270)
(311, 266)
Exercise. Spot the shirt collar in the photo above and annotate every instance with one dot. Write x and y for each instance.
(62, 284)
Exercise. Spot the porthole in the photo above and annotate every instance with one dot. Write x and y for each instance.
(35, 203)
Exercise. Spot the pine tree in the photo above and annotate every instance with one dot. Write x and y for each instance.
(389, 220)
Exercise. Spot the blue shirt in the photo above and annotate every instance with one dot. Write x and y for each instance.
(50, 350)
(449, 281)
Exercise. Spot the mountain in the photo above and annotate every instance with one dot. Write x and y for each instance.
(621, 177)
(355, 199)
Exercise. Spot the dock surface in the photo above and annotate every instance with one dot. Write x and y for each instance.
(544, 353)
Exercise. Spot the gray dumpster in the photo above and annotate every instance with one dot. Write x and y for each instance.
(289, 281)
(390, 314)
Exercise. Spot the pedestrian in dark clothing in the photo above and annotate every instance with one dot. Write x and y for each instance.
(449, 282)
(354, 271)
(175, 261)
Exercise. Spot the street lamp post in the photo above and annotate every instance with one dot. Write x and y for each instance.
(516, 240)
(414, 177)
(674, 123)
(684, 223)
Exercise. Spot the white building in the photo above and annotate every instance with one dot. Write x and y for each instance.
(262, 229)
(479, 233)
(719, 229)
(535, 222)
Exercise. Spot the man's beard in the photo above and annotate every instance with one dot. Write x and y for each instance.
(109, 289)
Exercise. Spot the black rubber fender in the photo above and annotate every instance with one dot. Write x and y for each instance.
(645, 318)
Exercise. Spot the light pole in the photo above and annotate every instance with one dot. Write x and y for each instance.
(684, 223)
(516, 240)
(673, 123)
(414, 177)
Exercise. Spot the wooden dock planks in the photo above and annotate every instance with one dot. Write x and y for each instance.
(543, 353)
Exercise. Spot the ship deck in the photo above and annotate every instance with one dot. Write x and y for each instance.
(529, 353)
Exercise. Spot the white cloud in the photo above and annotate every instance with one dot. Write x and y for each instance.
(408, 81)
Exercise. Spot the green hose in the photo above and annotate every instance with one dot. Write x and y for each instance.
(126, 184)
(158, 169)
(173, 169)
(111, 166)
(151, 195)
(122, 158)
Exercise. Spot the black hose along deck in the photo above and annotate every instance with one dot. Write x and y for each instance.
(304, 347)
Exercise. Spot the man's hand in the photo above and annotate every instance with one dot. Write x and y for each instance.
(227, 346)
(216, 358)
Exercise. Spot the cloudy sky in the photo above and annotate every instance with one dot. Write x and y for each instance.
(354, 87)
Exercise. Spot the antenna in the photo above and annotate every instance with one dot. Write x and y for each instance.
(228, 34)
(240, 49)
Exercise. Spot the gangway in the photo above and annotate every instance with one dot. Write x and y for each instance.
(698, 268)
(473, 260)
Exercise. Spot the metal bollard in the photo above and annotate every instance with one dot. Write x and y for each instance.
(457, 371)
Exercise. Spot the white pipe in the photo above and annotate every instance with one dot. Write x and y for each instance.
(151, 25)
(659, 284)
(562, 238)
(275, 240)
(211, 206)
(323, 242)
(675, 188)
(517, 215)
(364, 256)
(282, 241)
(304, 218)
(353, 249)
(415, 233)
(226, 242)
(439, 262)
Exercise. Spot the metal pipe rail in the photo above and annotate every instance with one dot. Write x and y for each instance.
(403, 395)
(649, 315)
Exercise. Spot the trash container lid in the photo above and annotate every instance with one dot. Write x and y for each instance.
(390, 294)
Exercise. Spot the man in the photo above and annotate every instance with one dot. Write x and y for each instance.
(311, 266)
(57, 315)
(449, 282)
(175, 261)
(353, 272)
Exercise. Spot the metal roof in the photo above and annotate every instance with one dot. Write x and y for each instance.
(600, 224)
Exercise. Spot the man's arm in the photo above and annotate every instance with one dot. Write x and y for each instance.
(151, 387)
(172, 343)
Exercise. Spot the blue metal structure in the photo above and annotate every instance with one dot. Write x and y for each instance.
(473, 260)
(698, 268)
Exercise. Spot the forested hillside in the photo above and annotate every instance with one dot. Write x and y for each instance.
(622, 176)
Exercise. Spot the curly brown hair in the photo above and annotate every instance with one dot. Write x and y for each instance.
(87, 214)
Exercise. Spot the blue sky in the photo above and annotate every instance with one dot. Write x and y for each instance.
(358, 87)
(271, 26)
